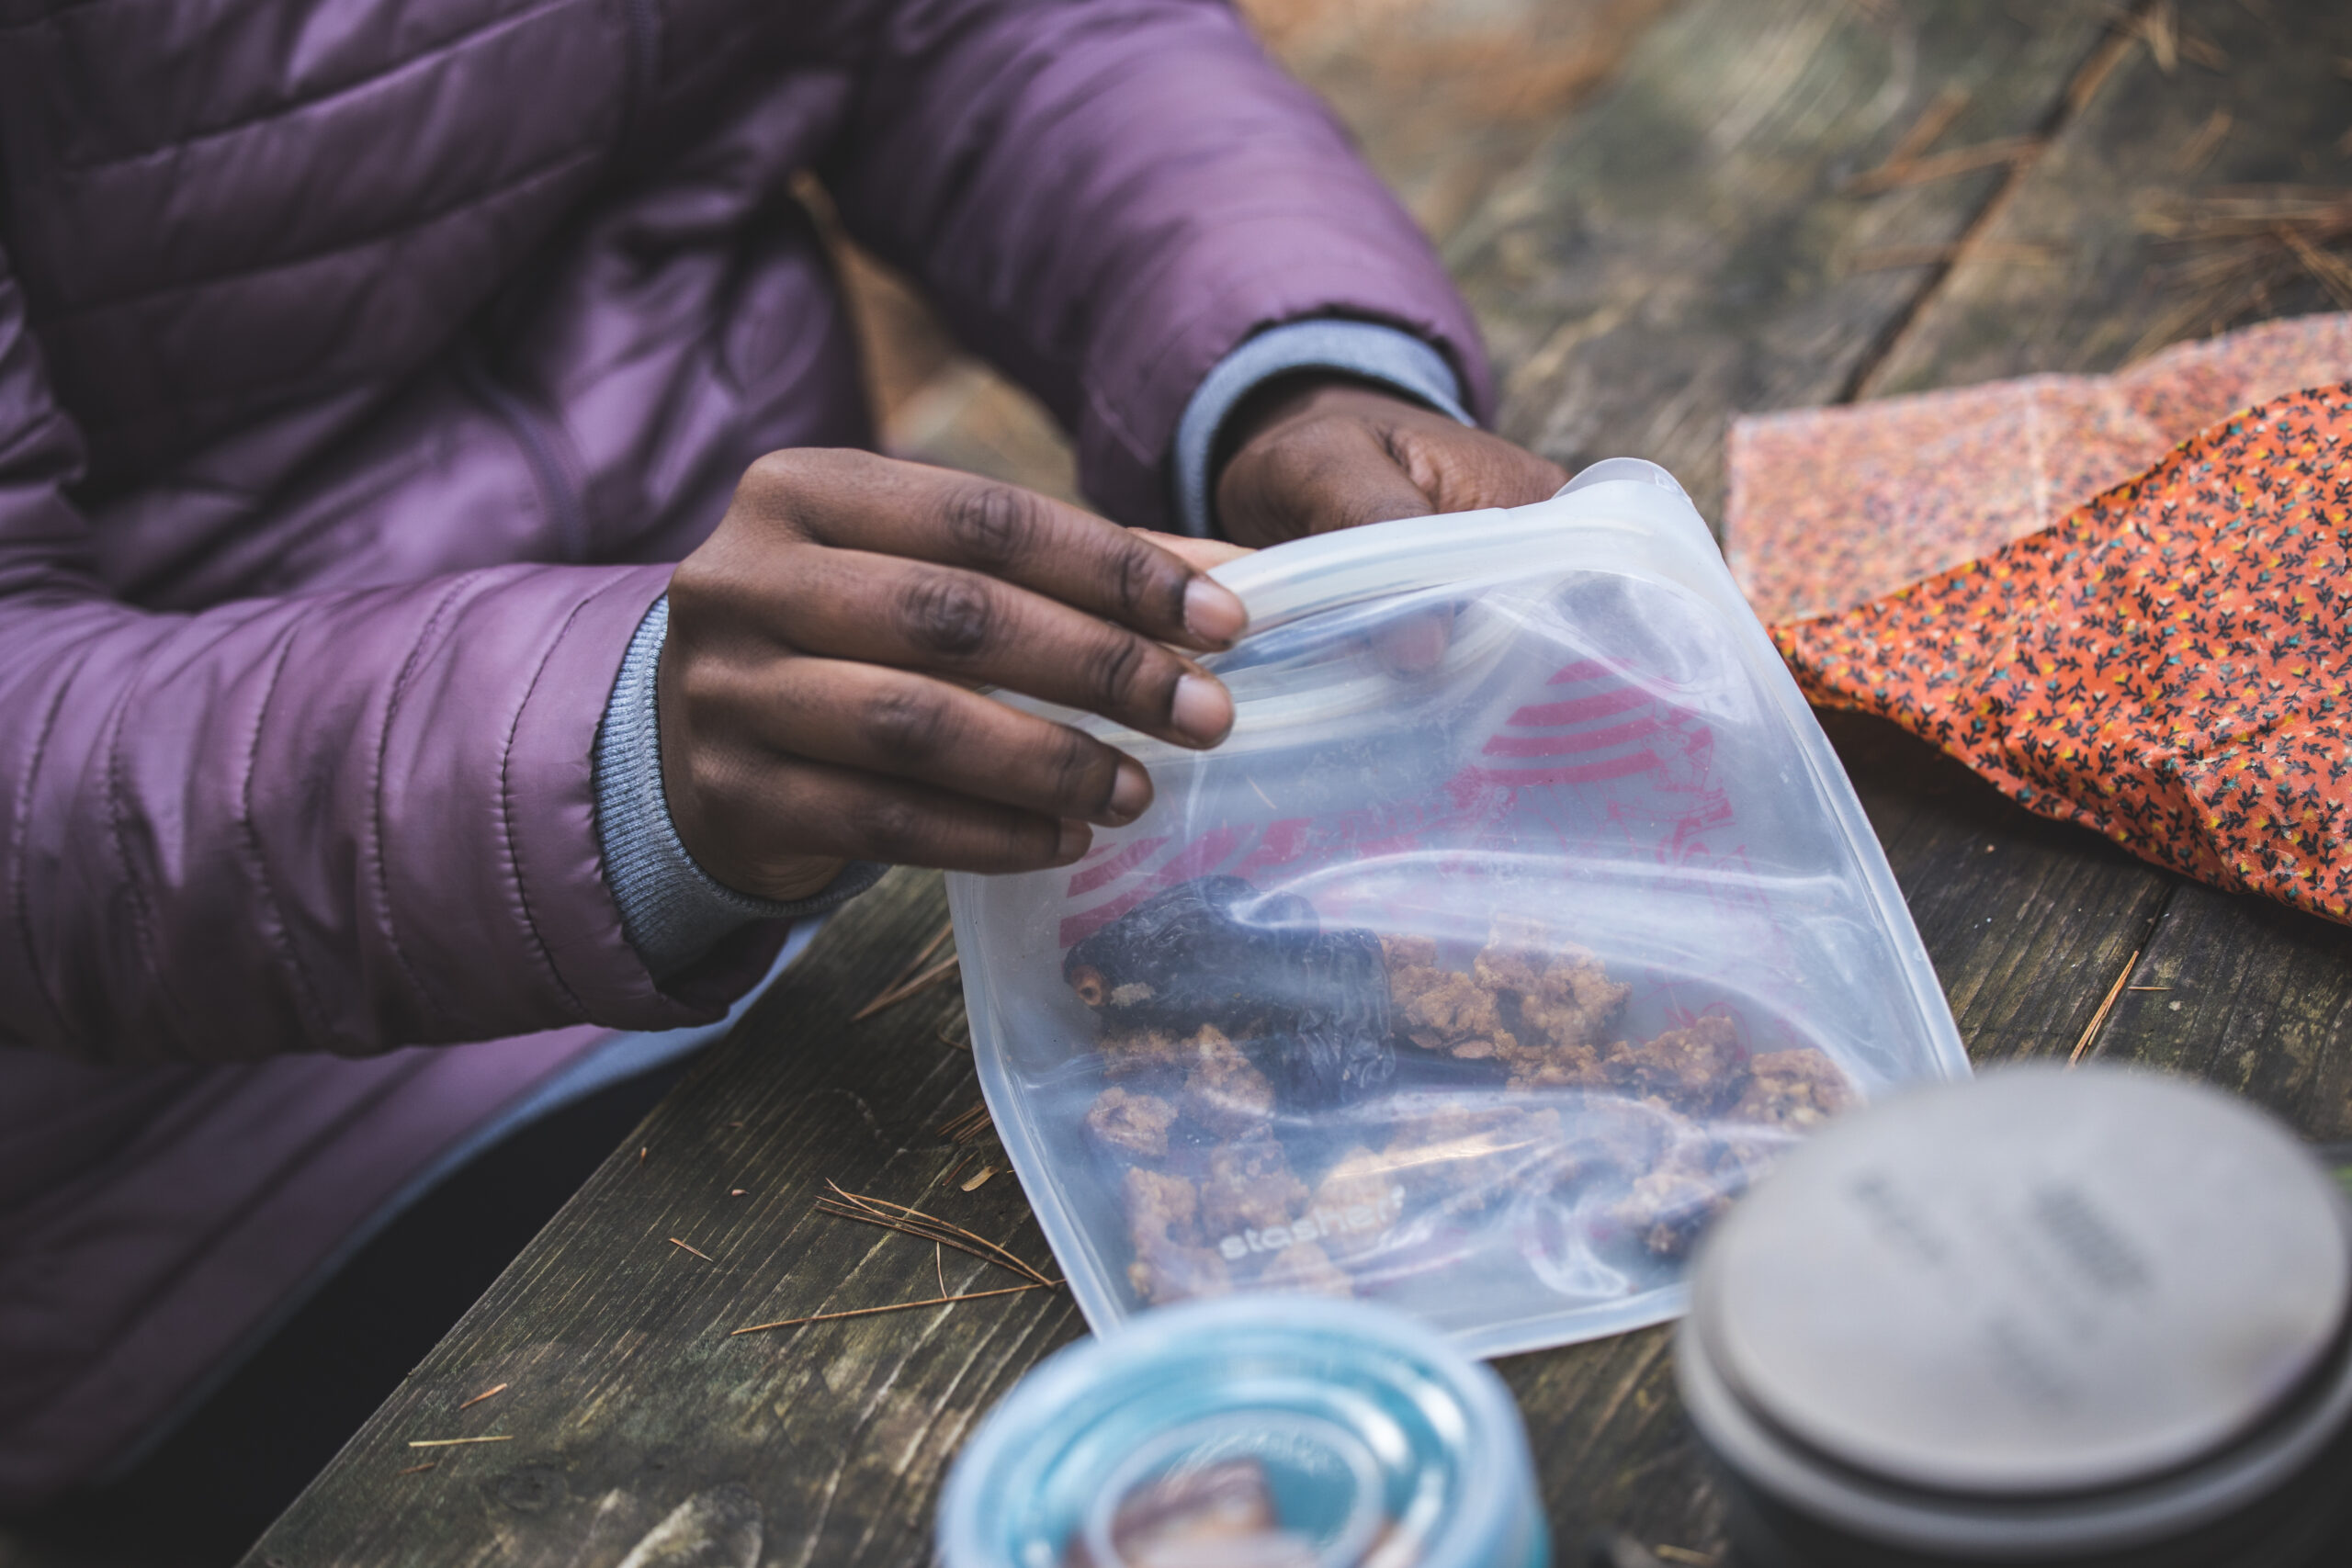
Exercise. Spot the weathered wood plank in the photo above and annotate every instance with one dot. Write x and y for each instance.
(627, 1397)
(1684, 250)
(2072, 270)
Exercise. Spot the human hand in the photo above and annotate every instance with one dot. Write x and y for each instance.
(1311, 454)
(816, 687)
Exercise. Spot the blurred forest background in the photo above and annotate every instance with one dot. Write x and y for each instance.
(1443, 96)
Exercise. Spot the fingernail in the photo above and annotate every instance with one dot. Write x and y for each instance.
(1130, 792)
(1075, 837)
(1213, 611)
(1202, 710)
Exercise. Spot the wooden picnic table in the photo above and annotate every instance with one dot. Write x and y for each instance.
(1684, 246)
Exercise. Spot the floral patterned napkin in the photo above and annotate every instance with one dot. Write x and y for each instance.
(2167, 663)
(1830, 508)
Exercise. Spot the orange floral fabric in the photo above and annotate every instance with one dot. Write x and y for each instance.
(2167, 664)
(1831, 507)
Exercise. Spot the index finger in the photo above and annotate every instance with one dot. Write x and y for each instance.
(856, 501)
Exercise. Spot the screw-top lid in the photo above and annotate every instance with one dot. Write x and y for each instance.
(2036, 1285)
(1258, 1432)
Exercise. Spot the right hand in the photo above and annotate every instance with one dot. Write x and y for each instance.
(817, 685)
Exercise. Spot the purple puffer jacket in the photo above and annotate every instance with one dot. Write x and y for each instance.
(351, 350)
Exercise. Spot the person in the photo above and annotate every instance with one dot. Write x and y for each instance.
(455, 635)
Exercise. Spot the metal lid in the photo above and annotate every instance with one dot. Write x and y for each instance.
(2038, 1284)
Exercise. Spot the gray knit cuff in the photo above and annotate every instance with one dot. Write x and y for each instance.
(1365, 349)
(673, 910)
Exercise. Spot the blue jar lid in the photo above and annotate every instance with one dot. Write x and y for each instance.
(1251, 1432)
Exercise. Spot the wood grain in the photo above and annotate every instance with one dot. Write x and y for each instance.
(1685, 250)
(629, 1399)
(2093, 202)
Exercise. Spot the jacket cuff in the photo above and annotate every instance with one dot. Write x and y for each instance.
(1366, 350)
(672, 911)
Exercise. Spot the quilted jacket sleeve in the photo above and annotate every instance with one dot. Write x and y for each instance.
(341, 822)
(1105, 197)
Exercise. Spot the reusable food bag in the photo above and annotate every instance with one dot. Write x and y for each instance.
(1523, 919)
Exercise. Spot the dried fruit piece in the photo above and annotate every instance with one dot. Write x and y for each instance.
(1798, 1089)
(1135, 1123)
(1462, 1156)
(1223, 1092)
(1163, 1226)
(1693, 1069)
(1188, 956)
(1670, 1206)
(1356, 1202)
(1249, 1186)
(1306, 1268)
(1311, 1008)
(1140, 1052)
(1439, 1009)
(1325, 1039)
(1564, 999)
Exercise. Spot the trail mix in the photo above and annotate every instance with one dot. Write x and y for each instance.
(1294, 1108)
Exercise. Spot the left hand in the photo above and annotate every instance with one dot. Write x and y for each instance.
(1311, 454)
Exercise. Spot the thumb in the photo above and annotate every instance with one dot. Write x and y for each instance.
(1315, 478)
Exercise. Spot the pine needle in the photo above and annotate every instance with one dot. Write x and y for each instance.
(2231, 246)
(688, 1246)
(2091, 1031)
(942, 934)
(1683, 1555)
(921, 983)
(485, 1394)
(969, 1125)
(453, 1442)
(1944, 165)
(419, 1469)
(927, 1227)
(1933, 121)
(2199, 150)
(893, 1307)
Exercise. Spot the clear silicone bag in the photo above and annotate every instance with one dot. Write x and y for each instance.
(1522, 919)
